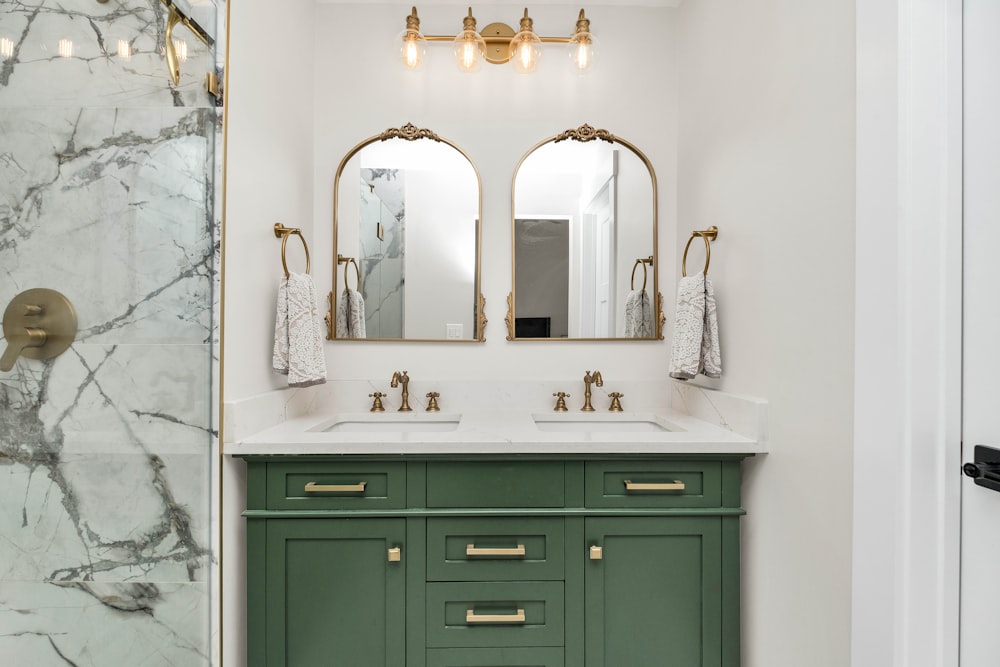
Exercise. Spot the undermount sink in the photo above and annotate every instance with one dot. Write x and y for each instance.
(393, 423)
(599, 423)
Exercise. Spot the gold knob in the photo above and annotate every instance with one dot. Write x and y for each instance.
(596, 552)
(395, 555)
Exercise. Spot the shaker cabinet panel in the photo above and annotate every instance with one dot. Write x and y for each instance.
(587, 561)
(495, 548)
(654, 594)
(333, 596)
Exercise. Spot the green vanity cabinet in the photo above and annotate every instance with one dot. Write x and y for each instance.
(529, 561)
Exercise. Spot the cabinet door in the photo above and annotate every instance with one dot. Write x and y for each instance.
(653, 592)
(333, 596)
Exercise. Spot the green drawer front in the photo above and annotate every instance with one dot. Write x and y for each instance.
(495, 657)
(495, 549)
(449, 604)
(336, 485)
(496, 484)
(681, 484)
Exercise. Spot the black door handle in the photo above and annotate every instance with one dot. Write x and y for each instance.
(985, 467)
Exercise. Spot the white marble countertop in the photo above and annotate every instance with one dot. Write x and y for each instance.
(493, 432)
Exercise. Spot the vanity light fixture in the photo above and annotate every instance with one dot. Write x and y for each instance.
(498, 43)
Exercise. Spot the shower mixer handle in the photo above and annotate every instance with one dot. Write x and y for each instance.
(38, 324)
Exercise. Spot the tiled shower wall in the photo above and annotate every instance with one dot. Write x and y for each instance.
(107, 183)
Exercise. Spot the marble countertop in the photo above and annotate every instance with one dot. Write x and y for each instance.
(494, 432)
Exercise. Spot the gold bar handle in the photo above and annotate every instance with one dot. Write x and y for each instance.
(473, 550)
(313, 487)
(472, 617)
(675, 485)
(395, 555)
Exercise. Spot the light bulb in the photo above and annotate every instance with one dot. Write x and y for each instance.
(413, 45)
(582, 52)
(582, 46)
(525, 47)
(469, 47)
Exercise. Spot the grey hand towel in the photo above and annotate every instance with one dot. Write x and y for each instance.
(695, 347)
(298, 343)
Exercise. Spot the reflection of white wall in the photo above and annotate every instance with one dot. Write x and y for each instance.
(441, 213)
(635, 236)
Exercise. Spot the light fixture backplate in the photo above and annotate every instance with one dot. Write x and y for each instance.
(497, 37)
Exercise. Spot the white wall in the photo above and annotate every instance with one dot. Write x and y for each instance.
(766, 129)
(269, 179)
(496, 117)
(269, 147)
(767, 154)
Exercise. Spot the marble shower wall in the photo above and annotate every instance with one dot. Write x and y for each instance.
(107, 183)
(382, 259)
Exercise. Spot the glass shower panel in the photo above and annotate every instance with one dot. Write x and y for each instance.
(107, 190)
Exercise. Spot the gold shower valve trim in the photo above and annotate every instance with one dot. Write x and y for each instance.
(38, 323)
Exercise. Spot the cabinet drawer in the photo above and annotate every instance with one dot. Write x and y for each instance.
(495, 657)
(495, 549)
(653, 484)
(349, 485)
(495, 614)
(496, 484)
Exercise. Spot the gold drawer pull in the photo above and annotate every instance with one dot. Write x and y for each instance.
(473, 550)
(313, 487)
(472, 617)
(395, 554)
(596, 552)
(675, 485)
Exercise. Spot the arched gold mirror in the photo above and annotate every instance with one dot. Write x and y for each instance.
(584, 241)
(406, 238)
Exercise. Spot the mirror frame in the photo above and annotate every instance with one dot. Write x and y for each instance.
(409, 132)
(583, 134)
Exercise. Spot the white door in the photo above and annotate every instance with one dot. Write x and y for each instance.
(980, 593)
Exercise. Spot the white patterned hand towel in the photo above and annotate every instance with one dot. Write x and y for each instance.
(696, 331)
(638, 315)
(351, 315)
(298, 343)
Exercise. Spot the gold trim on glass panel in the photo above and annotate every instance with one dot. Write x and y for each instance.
(586, 133)
(409, 132)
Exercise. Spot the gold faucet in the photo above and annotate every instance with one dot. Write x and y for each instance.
(404, 379)
(588, 380)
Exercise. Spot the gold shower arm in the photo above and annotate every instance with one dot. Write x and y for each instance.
(173, 18)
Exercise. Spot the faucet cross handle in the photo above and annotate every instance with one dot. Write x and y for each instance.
(561, 397)
(432, 403)
(616, 403)
(377, 403)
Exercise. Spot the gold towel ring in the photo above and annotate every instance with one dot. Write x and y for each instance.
(707, 235)
(643, 261)
(347, 261)
(282, 232)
